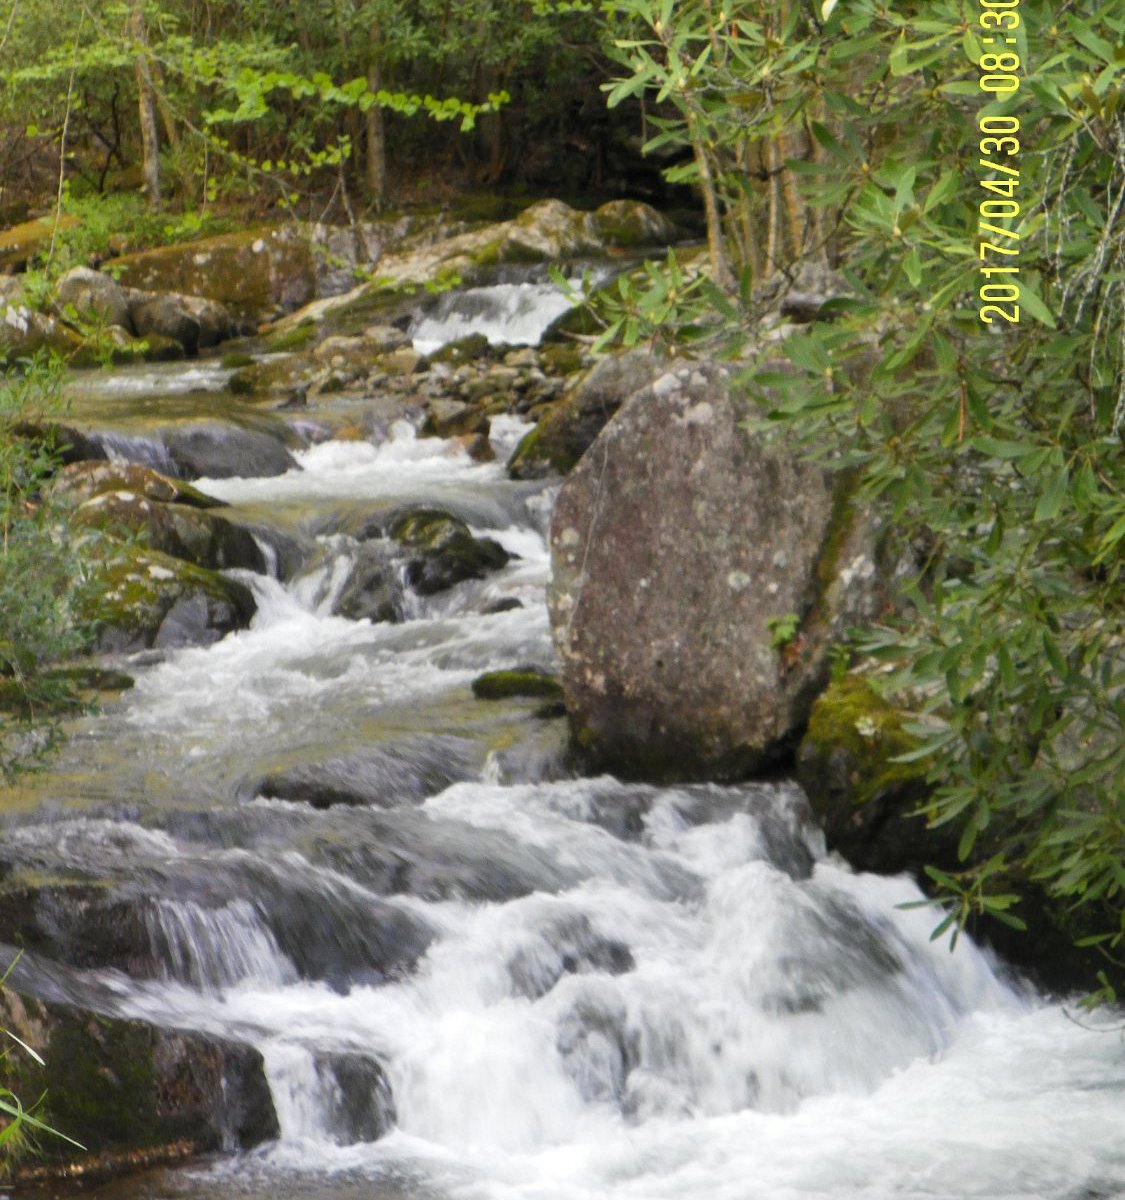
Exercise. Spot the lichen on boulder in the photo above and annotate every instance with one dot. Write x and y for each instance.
(677, 543)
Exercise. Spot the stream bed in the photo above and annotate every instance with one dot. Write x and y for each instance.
(541, 986)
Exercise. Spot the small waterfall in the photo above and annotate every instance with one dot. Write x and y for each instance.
(216, 948)
(135, 448)
(508, 314)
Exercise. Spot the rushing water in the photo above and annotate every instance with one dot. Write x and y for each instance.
(574, 988)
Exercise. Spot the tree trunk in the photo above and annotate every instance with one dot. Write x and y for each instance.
(376, 166)
(146, 94)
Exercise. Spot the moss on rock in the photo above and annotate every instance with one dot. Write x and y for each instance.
(145, 598)
(520, 681)
(867, 802)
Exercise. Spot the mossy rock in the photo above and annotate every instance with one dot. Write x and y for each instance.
(568, 428)
(631, 224)
(187, 533)
(129, 1091)
(83, 480)
(21, 242)
(235, 360)
(521, 681)
(145, 598)
(297, 337)
(865, 800)
(441, 550)
(255, 272)
(465, 349)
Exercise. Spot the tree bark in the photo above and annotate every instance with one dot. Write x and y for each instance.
(146, 94)
(376, 129)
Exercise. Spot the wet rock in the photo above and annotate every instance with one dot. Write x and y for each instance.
(147, 599)
(192, 534)
(84, 480)
(355, 1097)
(93, 297)
(568, 945)
(373, 590)
(217, 451)
(255, 273)
(122, 1087)
(520, 681)
(677, 543)
(441, 551)
(569, 427)
(406, 773)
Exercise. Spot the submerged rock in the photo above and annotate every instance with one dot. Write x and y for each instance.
(355, 1097)
(385, 776)
(679, 544)
(129, 1091)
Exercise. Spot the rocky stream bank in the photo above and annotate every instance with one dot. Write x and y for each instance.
(326, 529)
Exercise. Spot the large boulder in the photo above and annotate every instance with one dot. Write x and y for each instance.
(568, 428)
(130, 1092)
(255, 273)
(699, 577)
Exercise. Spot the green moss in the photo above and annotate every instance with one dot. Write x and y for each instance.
(850, 717)
(297, 338)
(233, 361)
(103, 1083)
(524, 681)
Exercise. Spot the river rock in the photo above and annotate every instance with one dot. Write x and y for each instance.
(864, 800)
(632, 224)
(677, 541)
(147, 598)
(187, 533)
(440, 549)
(195, 322)
(81, 481)
(25, 332)
(224, 451)
(569, 427)
(129, 1091)
(94, 297)
(405, 773)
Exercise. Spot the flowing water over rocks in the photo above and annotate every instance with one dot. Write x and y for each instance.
(474, 976)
